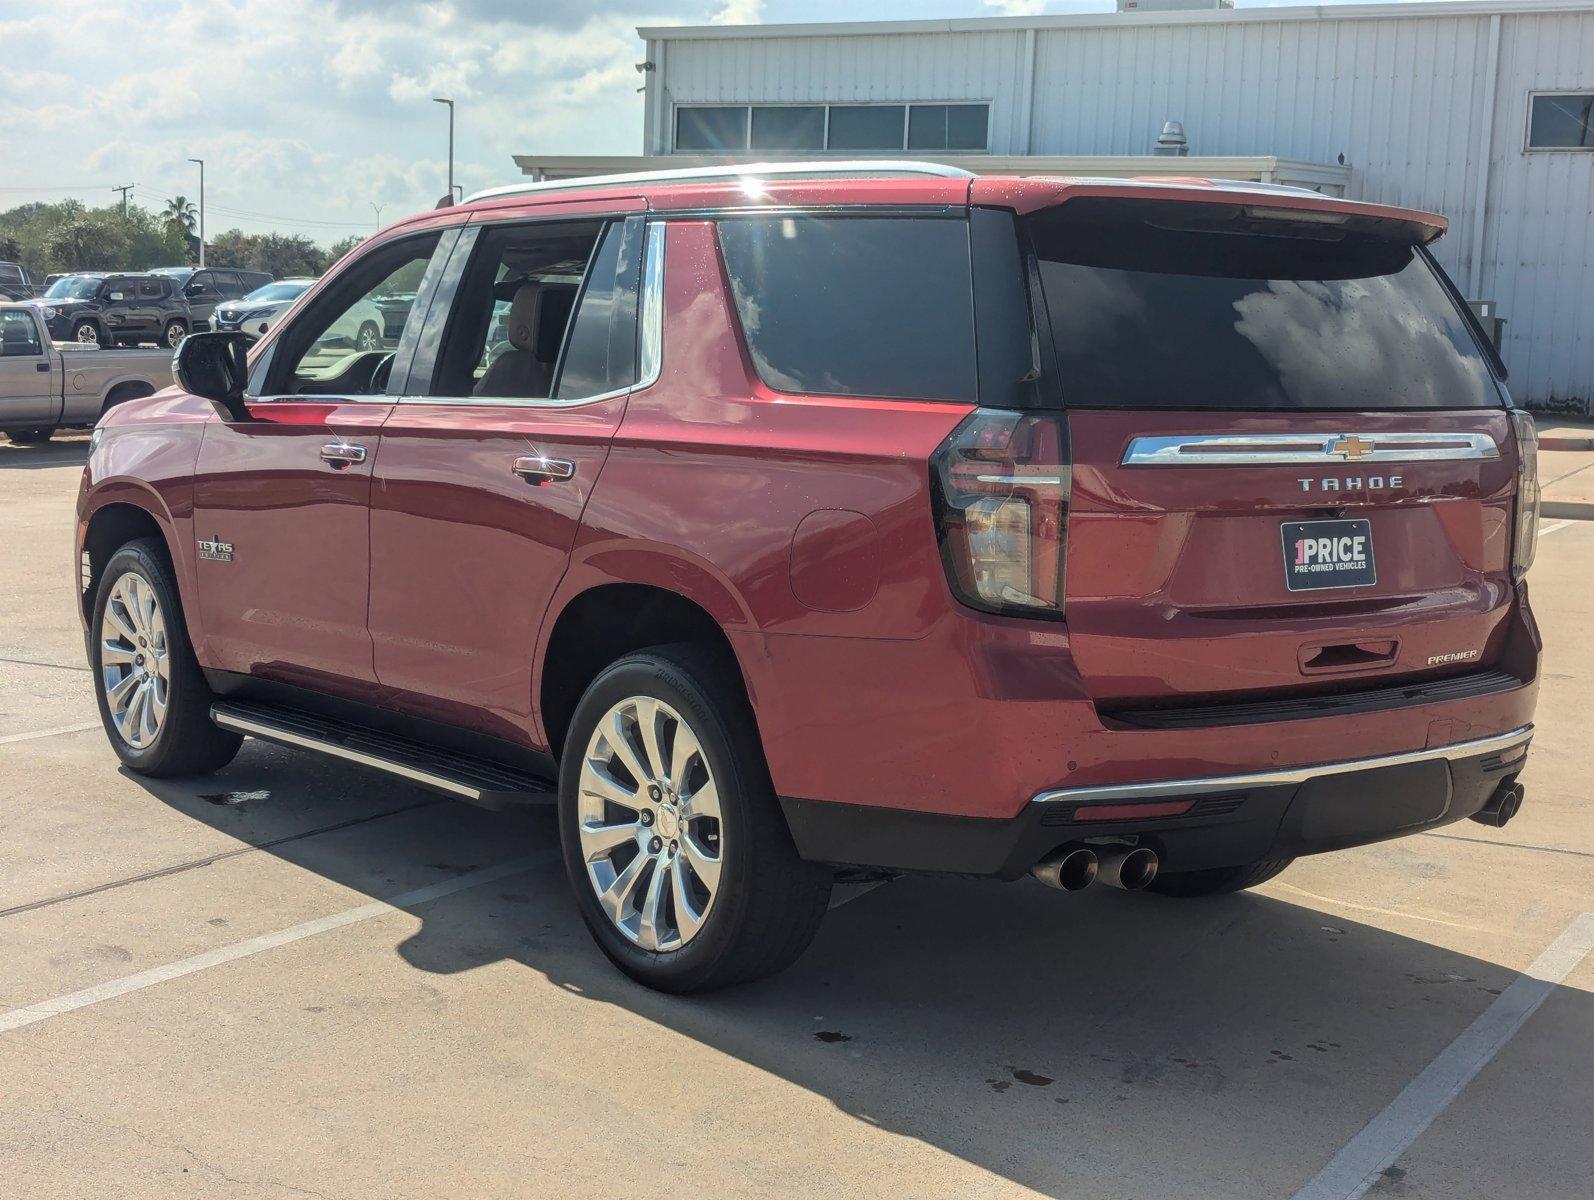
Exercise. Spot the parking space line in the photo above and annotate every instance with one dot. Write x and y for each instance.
(43, 1010)
(1548, 529)
(44, 733)
(1351, 1172)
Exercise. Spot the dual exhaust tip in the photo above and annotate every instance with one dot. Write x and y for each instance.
(1075, 867)
(1502, 806)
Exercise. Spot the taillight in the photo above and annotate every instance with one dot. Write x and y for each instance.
(1001, 483)
(1526, 541)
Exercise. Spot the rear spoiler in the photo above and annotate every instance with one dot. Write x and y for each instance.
(1260, 200)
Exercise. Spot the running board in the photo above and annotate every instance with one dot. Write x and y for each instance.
(463, 776)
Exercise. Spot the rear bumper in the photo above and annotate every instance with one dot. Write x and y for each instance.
(1209, 821)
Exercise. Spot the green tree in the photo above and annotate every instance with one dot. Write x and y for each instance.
(180, 211)
(339, 248)
(85, 243)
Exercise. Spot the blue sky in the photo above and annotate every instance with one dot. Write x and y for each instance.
(315, 115)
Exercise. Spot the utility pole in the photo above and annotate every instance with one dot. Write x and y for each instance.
(450, 103)
(378, 210)
(201, 163)
(124, 191)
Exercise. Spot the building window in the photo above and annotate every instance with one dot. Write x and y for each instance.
(947, 126)
(724, 129)
(791, 127)
(711, 129)
(867, 126)
(1561, 121)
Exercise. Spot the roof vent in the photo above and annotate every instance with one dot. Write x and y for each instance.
(1171, 142)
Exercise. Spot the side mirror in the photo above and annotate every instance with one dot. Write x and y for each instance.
(114, 297)
(215, 366)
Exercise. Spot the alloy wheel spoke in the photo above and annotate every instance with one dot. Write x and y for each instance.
(148, 724)
(617, 737)
(648, 716)
(113, 653)
(683, 754)
(705, 802)
(615, 897)
(688, 917)
(651, 932)
(705, 864)
(598, 783)
(599, 840)
(116, 614)
(133, 715)
(117, 696)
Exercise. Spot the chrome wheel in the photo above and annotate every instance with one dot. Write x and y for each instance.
(175, 334)
(369, 338)
(135, 668)
(86, 333)
(649, 817)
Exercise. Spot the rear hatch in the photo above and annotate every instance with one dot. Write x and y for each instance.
(1293, 465)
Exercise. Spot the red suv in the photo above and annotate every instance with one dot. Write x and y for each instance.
(865, 518)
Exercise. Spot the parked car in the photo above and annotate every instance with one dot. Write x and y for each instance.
(45, 386)
(1148, 532)
(115, 309)
(15, 282)
(206, 287)
(258, 311)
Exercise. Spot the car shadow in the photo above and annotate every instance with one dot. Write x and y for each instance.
(1099, 1043)
(64, 450)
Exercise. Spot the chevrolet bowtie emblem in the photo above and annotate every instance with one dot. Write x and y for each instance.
(1351, 447)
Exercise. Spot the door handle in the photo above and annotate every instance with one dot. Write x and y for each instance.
(538, 468)
(41, 367)
(341, 454)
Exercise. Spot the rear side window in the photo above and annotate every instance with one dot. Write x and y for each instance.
(855, 305)
(600, 356)
(1163, 305)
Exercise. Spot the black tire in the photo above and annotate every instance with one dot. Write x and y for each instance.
(31, 437)
(1219, 881)
(92, 327)
(769, 902)
(173, 333)
(368, 337)
(187, 742)
(121, 395)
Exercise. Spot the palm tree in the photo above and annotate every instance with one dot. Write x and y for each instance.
(181, 211)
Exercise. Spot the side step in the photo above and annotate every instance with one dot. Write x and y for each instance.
(463, 776)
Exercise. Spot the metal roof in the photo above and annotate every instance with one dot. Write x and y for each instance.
(1278, 12)
(806, 169)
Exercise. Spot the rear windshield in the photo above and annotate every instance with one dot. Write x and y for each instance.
(1162, 305)
(855, 305)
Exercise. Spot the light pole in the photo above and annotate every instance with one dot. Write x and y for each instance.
(450, 103)
(201, 163)
(377, 208)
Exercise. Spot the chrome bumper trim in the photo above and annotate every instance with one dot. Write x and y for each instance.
(1285, 775)
(1270, 449)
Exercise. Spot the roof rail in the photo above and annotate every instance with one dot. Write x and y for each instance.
(818, 169)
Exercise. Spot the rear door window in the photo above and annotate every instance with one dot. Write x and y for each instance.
(855, 305)
(1164, 305)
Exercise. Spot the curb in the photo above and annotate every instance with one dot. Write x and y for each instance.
(1569, 510)
(1552, 442)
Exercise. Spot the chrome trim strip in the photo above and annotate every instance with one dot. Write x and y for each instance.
(1265, 449)
(650, 335)
(1287, 775)
(845, 168)
(272, 733)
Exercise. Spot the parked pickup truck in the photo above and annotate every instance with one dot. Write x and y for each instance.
(45, 385)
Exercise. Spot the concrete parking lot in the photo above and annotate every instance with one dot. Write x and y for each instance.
(201, 995)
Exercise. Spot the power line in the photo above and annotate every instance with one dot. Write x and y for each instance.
(302, 222)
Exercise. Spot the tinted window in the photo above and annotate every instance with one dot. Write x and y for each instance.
(18, 334)
(74, 287)
(793, 127)
(947, 126)
(866, 126)
(1564, 122)
(855, 306)
(1201, 306)
(711, 128)
(342, 343)
(151, 289)
(601, 354)
(511, 310)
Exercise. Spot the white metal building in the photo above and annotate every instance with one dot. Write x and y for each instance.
(1482, 110)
